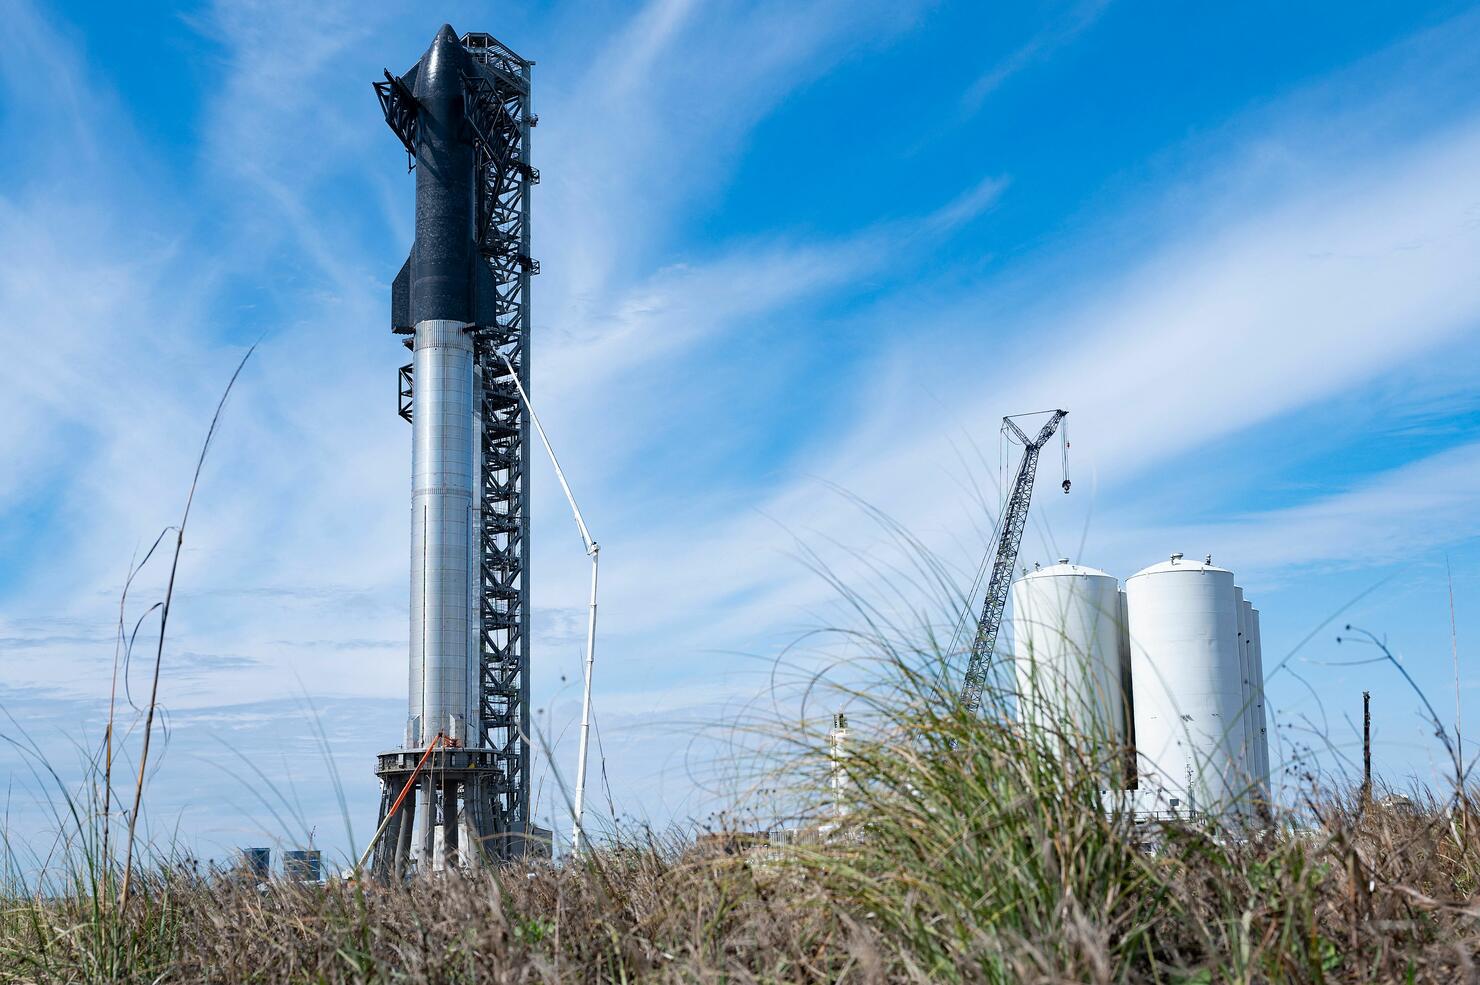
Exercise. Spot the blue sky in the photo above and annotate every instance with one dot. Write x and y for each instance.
(786, 247)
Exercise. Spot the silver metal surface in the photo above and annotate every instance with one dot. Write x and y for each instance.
(444, 602)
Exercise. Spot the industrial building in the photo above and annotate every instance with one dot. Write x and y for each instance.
(1170, 667)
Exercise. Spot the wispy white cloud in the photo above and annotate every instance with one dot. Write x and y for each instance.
(1395, 516)
(654, 124)
(969, 204)
(1290, 306)
(1080, 17)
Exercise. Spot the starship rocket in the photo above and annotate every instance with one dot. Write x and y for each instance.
(436, 296)
(462, 114)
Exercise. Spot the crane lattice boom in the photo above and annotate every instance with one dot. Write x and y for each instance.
(1014, 519)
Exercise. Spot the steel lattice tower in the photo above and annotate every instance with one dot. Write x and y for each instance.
(500, 114)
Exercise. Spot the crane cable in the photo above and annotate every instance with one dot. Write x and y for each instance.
(1064, 452)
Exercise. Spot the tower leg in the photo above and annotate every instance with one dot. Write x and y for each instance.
(403, 841)
(385, 849)
(451, 821)
(428, 825)
(470, 846)
(483, 815)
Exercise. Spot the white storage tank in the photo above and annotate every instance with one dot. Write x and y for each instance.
(1261, 720)
(1188, 683)
(1250, 758)
(1067, 653)
(1128, 695)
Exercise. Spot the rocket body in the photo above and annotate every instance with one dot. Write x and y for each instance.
(444, 535)
(435, 299)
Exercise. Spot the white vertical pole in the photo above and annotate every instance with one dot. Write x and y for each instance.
(594, 551)
(838, 753)
(576, 832)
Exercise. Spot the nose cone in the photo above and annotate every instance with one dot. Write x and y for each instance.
(440, 65)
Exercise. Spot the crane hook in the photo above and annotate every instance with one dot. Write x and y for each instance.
(1064, 455)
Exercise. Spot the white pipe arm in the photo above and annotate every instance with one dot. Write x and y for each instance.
(593, 550)
(575, 510)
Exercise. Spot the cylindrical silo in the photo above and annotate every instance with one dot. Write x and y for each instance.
(1066, 653)
(1261, 720)
(1248, 764)
(1128, 695)
(1185, 669)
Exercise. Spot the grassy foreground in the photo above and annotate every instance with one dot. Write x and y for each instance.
(971, 854)
(960, 848)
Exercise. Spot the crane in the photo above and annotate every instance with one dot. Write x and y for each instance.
(1014, 518)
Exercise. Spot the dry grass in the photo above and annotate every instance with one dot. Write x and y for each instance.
(635, 913)
(971, 850)
(1002, 892)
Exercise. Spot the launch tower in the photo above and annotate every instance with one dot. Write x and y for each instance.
(457, 790)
